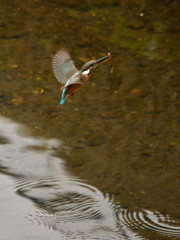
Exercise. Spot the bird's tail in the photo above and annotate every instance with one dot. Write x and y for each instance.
(64, 93)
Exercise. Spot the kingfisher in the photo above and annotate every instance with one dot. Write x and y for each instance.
(69, 76)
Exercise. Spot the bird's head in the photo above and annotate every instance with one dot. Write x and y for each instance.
(91, 65)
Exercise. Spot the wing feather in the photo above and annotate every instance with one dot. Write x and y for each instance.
(63, 66)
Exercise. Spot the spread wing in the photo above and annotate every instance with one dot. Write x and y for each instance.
(63, 66)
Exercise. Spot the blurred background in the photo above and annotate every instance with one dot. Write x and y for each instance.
(115, 145)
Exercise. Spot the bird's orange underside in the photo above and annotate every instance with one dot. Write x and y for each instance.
(72, 88)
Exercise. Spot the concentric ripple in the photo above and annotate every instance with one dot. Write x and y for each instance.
(153, 221)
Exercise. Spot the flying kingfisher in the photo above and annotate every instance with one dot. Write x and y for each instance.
(68, 75)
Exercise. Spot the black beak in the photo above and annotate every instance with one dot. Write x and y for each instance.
(100, 60)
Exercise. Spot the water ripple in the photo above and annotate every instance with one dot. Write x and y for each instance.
(153, 221)
(63, 202)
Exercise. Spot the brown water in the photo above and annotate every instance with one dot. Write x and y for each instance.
(119, 134)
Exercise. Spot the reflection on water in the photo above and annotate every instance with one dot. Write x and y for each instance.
(64, 203)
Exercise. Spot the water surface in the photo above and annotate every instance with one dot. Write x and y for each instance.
(119, 135)
(41, 192)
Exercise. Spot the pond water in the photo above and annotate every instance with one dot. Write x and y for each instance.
(105, 165)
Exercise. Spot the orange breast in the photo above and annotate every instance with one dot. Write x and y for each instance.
(72, 88)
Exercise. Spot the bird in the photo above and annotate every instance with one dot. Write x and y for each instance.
(69, 76)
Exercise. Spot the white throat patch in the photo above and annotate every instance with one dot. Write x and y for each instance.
(86, 72)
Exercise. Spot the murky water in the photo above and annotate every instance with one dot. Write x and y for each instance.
(105, 165)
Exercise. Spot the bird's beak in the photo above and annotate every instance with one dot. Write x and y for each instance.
(101, 60)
